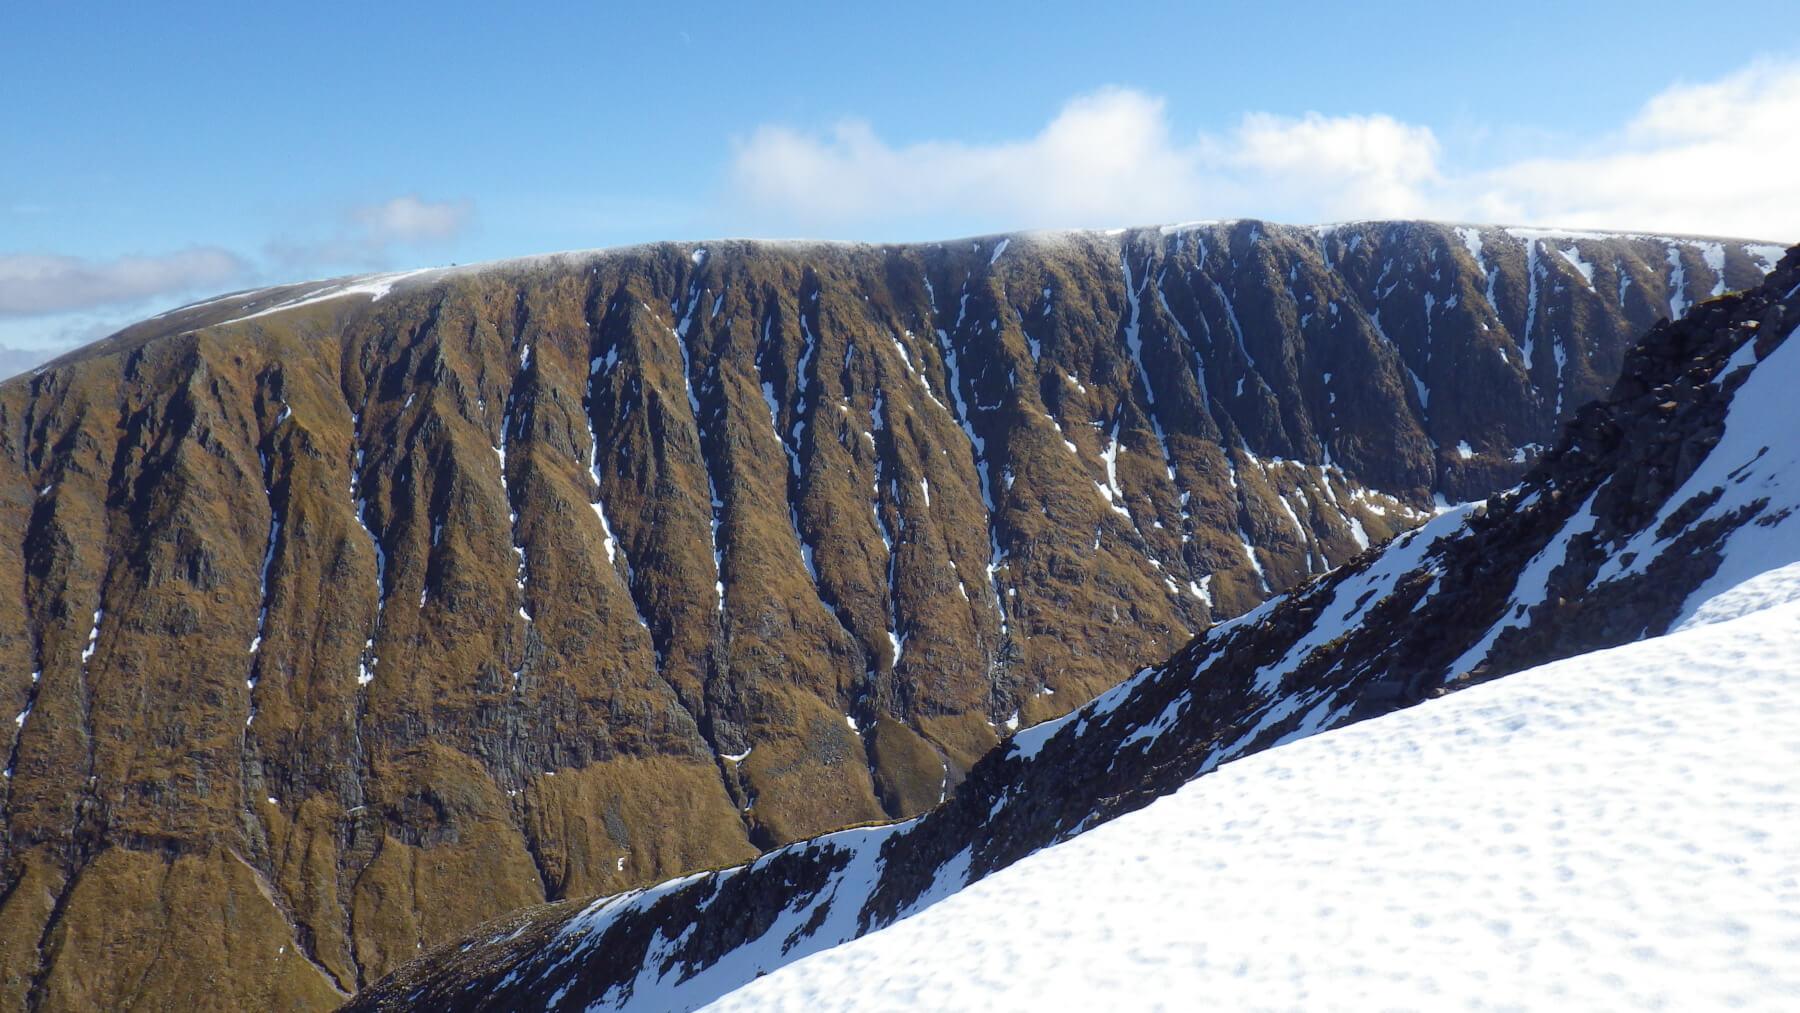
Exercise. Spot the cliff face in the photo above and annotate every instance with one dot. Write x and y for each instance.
(355, 613)
(1658, 501)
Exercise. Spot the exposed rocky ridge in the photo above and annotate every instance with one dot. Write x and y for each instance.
(361, 611)
(1681, 483)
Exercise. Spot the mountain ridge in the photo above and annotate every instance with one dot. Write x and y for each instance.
(709, 553)
(802, 244)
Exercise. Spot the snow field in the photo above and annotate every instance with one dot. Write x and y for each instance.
(1614, 830)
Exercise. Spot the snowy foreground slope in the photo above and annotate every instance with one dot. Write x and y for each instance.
(1681, 484)
(1612, 830)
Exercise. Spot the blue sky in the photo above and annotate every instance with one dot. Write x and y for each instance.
(149, 157)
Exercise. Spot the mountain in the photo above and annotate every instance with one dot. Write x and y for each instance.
(1680, 486)
(355, 613)
(1454, 854)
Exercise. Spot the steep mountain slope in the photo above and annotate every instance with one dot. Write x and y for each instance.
(1684, 481)
(1608, 831)
(356, 613)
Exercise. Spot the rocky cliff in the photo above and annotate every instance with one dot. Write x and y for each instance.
(354, 613)
(1681, 486)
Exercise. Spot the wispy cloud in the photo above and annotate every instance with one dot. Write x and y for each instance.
(51, 302)
(1704, 157)
(411, 220)
(366, 235)
(35, 284)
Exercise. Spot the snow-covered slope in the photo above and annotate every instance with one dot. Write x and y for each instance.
(1679, 486)
(1613, 830)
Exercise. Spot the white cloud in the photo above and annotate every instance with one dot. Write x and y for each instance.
(33, 284)
(36, 284)
(50, 303)
(364, 236)
(1716, 157)
(1347, 166)
(411, 220)
(1713, 157)
(1105, 156)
